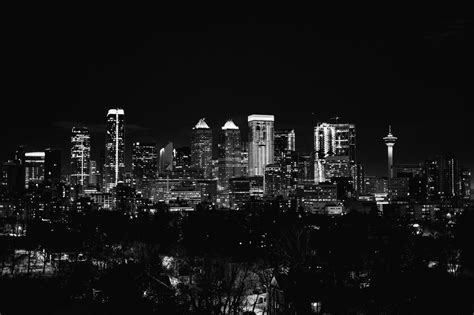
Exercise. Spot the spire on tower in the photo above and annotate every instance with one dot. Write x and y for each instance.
(390, 139)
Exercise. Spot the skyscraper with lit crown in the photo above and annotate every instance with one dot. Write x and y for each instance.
(114, 166)
(229, 162)
(261, 143)
(201, 148)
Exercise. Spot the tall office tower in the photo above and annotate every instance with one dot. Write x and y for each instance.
(465, 183)
(144, 165)
(19, 172)
(292, 141)
(451, 177)
(261, 143)
(201, 148)
(166, 158)
(244, 158)
(414, 174)
(114, 166)
(390, 142)
(431, 179)
(335, 150)
(93, 174)
(273, 184)
(358, 175)
(345, 141)
(13, 177)
(305, 168)
(324, 140)
(284, 142)
(34, 168)
(182, 162)
(229, 155)
(442, 178)
(101, 168)
(52, 167)
(80, 156)
(289, 166)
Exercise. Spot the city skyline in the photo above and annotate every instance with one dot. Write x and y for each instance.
(260, 163)
(133, 131)
(409, 68)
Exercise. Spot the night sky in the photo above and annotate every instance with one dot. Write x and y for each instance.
(415, 72)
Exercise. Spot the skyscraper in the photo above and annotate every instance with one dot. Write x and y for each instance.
(114, 166)
(182, 162)
(166, 158)
(80, 156)
(284, 142)
(34, 168)
(334, 149)
(229, 161)
(442, 177)
(390, 142)
(144, 164)
(52, 167)
(465, 183)
(201, 148)
(274, 180)
(261, 143)
(94, 174)
(357, 173)
(345, 141)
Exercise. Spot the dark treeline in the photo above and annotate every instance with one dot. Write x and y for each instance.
(113, 258)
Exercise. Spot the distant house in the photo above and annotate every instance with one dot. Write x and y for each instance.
(276, 295)
(284, 298)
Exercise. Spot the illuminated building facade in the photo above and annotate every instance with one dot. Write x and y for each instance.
(144, 164)
(465, 183)
(261, 143)
(114, 166)
(34, 168)
(442, 178)
(52, 167)
(313, 196)
(229, 160)
(244, 158)
(284, 142)
(80, 156)
(335, 150)
(273, 180)
(166, 158)
(358, 175)
(94, 174)
(201, 148)
(182, 162)
(239, 192)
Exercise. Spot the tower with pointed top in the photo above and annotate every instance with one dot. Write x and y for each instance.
(390, 140)
(229, 151)
(201, 148)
